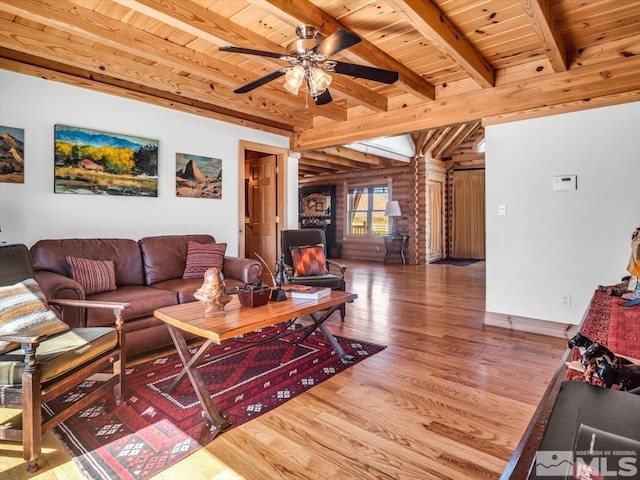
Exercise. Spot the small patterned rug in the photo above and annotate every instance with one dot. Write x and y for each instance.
(456, 262)
(154, 430)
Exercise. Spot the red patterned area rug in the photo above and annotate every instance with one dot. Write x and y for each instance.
(154, 430)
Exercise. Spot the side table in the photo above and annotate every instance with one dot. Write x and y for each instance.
(394, 245)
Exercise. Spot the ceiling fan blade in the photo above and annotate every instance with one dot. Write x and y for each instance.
(337, 41)
(368, 73)
(249, 51)
(324, 98)
(259, 82)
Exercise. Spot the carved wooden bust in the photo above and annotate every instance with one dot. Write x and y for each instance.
(212, 293)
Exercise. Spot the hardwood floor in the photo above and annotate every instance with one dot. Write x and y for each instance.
(448, 397)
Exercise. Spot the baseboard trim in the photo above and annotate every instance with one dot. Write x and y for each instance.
(532, 325)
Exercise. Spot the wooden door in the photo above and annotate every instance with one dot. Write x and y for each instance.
(468, 214)
(261, 222)
(436, 220)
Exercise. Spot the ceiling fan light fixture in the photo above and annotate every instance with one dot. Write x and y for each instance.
(294, 78)
(319, 81)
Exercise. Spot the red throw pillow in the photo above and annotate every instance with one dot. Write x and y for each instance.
(95, 276)
(309, 260)
(203, 256)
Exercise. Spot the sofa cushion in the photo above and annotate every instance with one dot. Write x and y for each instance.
(95, 276)
(59, 354)
(184, 288)
(51, 255)
(24, 310)
(309, 260)
(165, 256)
(143, 301)
(203, 256)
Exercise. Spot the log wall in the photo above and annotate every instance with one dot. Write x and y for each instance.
(401, 184)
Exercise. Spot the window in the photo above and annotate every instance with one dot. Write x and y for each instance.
(365, 211)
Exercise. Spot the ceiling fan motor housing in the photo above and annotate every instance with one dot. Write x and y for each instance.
(306, 41)
(306, 31)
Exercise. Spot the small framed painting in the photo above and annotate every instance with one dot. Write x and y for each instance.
(11, 155)
(198, 177)
(99, 163)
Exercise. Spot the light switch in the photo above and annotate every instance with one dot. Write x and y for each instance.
(502, 209)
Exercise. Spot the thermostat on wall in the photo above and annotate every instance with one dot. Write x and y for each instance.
(565, 182)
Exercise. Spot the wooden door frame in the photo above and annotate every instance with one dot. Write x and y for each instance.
(281, 191)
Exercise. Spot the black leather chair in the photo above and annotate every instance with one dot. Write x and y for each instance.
(45, 368)
(311, 237)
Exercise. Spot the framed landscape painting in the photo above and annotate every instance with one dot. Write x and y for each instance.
(198, 177)
(11, 155)
(99, 163)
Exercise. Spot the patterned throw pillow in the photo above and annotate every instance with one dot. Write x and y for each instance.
(95, 276)
(203, 256)
(24, 310)
(309, 260)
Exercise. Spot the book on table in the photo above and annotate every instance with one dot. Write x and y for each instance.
(305, 291)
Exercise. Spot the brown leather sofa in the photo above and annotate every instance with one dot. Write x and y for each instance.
(148, 276)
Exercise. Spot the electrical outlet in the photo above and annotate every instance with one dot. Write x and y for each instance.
(566, 300)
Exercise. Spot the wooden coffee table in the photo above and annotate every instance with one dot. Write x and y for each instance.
(237, 320)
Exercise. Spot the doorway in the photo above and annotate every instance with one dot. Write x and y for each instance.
(435, 190)
(262, 203)
(468, 214)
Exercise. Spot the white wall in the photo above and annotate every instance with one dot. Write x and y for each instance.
(563, 242)
(31, 211)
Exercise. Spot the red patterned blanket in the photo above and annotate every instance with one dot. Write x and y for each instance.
(616, 327)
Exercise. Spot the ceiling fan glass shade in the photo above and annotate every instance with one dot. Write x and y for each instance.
(319, 81)
(294, 78)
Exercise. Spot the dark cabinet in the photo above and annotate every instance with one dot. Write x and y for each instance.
(316, 209)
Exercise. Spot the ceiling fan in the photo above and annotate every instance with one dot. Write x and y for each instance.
(309, 64)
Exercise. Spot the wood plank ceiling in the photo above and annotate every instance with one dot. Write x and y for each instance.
(462, 64)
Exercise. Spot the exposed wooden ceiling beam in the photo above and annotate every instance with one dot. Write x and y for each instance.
(107, 31)
(448, 139)
(468, 130)
(355, 175)
(576, 88)
(334, 160)
(351, 154)
(436, 140)
(466, 160)
(27, 65)
(309, 168)
(423, 140)
(25, 39)
(208, 25)
(430, 22)
(540, 18)
(306, 12)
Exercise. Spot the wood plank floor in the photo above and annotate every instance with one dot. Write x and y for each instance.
(448, 399)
